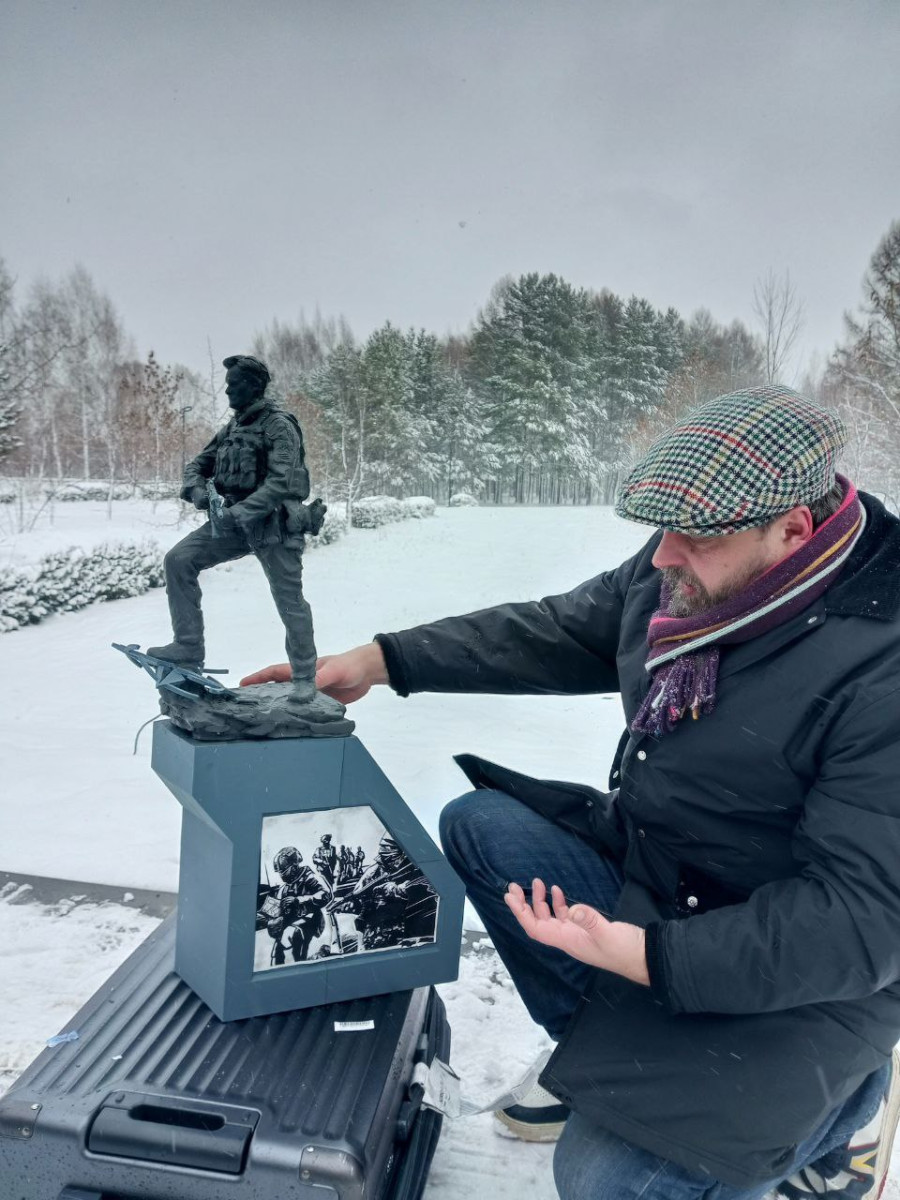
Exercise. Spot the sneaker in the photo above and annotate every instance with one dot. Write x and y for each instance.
(179, 653)
(857, 1171)
(538, 1117)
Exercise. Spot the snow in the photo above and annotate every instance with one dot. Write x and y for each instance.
(78, 804)
(87, 808)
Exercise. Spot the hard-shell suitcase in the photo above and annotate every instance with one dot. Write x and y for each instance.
(159, 1100)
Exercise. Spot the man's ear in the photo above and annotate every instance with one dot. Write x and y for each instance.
(796, 527)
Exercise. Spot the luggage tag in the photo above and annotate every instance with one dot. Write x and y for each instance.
(442, 1089)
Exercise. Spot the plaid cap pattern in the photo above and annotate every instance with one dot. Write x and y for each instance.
(735, 462)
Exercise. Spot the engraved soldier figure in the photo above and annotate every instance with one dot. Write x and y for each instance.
(393, 900)
(300, 901)
(254, 473)
(325, 860)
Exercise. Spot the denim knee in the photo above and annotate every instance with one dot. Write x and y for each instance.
(454, 816)
(473, 834)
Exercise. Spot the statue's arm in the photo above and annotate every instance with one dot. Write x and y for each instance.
(201, 468)
(286, 475)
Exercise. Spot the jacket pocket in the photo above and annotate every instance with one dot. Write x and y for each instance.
(247, 467)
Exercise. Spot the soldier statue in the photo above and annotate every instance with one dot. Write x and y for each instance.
(253, 477)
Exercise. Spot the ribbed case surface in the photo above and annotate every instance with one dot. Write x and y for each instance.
(157, 1098)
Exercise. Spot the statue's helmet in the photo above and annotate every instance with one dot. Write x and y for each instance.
(326, 839)
(287, 863)
(253, 367)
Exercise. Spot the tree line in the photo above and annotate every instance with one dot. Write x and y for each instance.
(547, 398)
(76, 402)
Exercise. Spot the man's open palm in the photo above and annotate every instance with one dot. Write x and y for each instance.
(580, 931)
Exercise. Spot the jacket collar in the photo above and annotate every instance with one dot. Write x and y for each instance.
(251, 412)
(868, 584)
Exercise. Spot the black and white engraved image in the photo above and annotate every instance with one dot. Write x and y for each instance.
(335, 882)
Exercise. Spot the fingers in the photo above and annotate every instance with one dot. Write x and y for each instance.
(277, 673)
(560, 908)
(536, 918)
(520, 908)
(539, 900)
(539, 909)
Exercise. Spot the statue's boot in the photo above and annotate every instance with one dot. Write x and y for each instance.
(303, 687)
(183, 654)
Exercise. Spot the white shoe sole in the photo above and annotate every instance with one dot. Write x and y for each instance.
(548, 1131)
(889, 1125)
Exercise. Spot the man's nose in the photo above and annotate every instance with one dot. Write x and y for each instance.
(670, 551)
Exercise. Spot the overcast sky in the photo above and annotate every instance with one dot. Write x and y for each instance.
(215, 165)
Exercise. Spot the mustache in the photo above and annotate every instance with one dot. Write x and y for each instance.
(676, 575)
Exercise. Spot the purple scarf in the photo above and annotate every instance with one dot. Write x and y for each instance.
(684, 651)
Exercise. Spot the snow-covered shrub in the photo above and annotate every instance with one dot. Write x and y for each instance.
(7, 493)
(418, 506)
(67, 580)
(20, 602)
(158, 489)
(463, 500)
(373, 511)
(90, 489)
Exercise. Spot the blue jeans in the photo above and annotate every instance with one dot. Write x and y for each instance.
(492, 840)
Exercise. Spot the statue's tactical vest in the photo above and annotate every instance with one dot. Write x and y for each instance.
(241, 460)
(241, 454)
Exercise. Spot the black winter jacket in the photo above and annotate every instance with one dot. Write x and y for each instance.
(761, 849)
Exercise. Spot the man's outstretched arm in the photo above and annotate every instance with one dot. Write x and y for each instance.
(561, 645)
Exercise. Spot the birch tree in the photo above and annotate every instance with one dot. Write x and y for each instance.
(780, 313)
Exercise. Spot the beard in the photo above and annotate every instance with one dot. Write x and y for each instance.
(700, 600)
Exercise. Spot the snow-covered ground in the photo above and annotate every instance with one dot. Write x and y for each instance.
(76, 803)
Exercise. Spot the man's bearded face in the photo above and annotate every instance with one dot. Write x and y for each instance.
(704, 572)
(690, 597)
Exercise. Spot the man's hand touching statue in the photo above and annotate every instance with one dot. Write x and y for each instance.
(345, 677)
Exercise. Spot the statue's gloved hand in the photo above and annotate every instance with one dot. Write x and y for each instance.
(199, 498)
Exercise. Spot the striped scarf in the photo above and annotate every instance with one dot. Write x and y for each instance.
(684, 651)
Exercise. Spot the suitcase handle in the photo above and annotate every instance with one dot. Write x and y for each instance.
(415, 1094)
(166, 1132)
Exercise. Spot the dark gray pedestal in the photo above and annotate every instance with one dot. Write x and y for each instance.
(382, 930)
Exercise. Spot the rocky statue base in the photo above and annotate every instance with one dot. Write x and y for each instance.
(264, 710)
